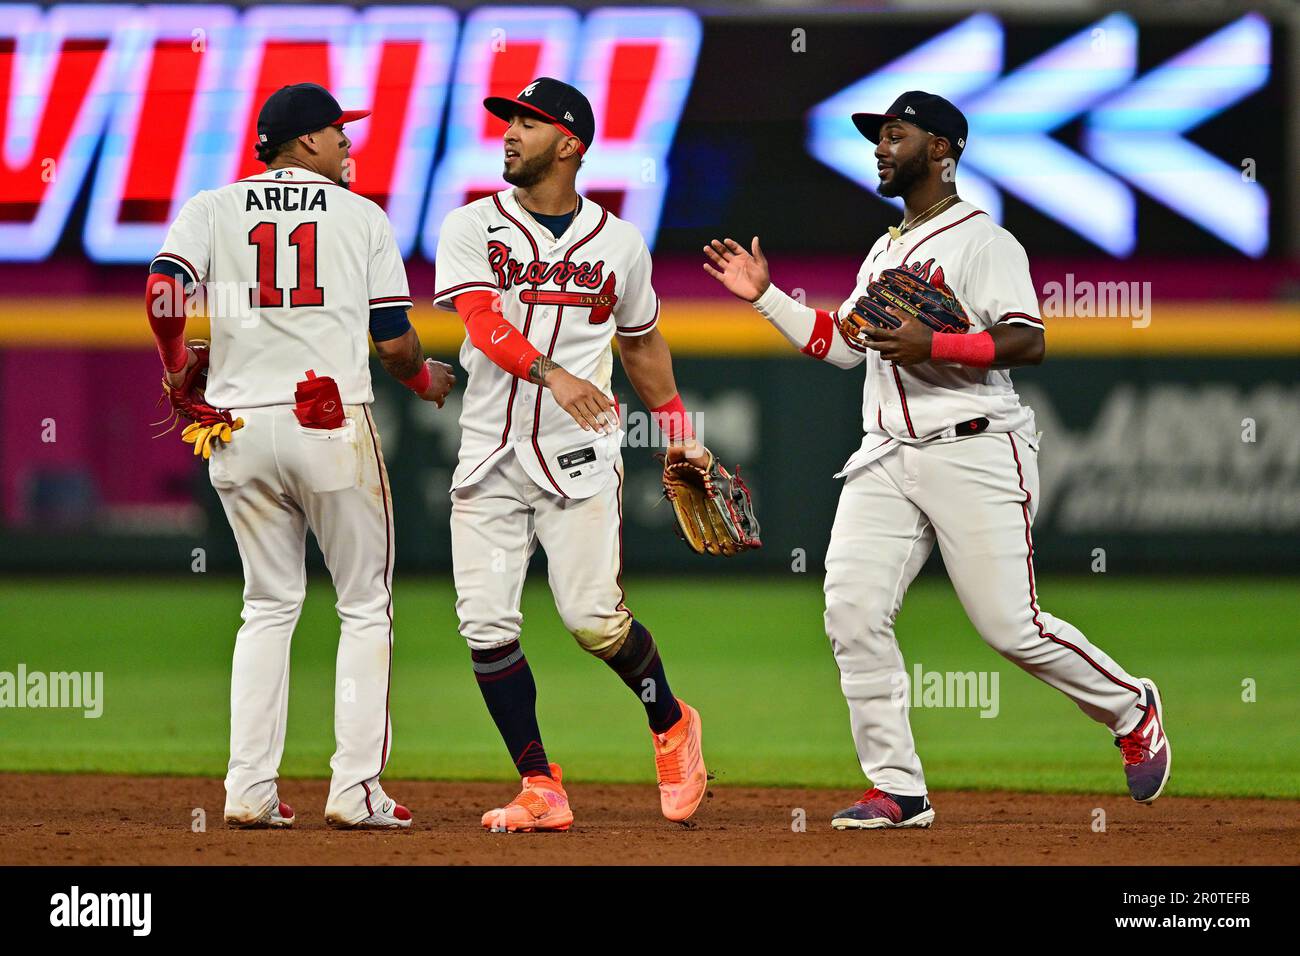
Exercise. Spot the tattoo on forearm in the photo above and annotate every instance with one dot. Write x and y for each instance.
(538, 370)
(404, 365)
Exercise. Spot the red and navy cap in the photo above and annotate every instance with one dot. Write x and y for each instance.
(929, 111)
(291, 111)
(557, 103)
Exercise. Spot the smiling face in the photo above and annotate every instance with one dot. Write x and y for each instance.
(532, 149)
(907, 156)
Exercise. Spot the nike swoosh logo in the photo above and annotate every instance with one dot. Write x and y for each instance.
(492, 229)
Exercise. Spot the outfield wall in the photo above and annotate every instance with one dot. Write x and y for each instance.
(1155, 455)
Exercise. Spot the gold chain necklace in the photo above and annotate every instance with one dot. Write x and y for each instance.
(896, 232)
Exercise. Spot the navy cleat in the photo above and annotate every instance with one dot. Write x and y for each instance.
(1146, 750)
(877, 810)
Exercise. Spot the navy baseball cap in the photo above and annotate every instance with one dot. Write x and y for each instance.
(291, 111)
(557, 103)
(929, 111)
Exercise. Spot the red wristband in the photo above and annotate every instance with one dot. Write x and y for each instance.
(819, 343)
(420, 381)
(673, 420)
(963, 348)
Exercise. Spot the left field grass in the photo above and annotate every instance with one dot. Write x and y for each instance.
(750, 654)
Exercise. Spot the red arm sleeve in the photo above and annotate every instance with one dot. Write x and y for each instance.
(164, 302)
(491, 334)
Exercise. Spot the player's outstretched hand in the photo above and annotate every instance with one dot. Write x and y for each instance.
(744, 274)
(590, 407)
(909, 344)
(441, 379)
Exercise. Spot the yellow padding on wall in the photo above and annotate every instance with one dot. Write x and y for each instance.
(721, 328)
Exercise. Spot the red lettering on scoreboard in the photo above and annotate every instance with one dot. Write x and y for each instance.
(512, 70)
(631, 69)
(22, 188)
(148, 109)
(284, 62)
(159, 145)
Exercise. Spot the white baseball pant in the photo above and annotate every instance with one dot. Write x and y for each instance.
(276, 479)
(976, 497)
(496, 525)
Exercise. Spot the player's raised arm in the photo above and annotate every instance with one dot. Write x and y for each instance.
(746, 276)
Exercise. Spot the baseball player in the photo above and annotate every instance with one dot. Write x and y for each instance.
(296, 270)
(544, 279)
(949, 455)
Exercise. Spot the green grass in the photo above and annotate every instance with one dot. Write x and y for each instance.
(749, 653)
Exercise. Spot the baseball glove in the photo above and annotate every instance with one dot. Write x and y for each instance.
(715, 514)
(933, 306)
(208, 426)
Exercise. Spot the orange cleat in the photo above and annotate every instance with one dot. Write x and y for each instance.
(541, 805)
(680, 766)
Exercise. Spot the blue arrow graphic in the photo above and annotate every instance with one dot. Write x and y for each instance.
(1139, 133)
(1010, 121)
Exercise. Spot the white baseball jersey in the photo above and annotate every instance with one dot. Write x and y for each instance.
(293, 265)
(568, 296)
(988, 271)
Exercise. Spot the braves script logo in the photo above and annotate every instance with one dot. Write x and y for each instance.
(510, 272)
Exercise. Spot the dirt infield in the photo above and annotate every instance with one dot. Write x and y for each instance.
(55, 819)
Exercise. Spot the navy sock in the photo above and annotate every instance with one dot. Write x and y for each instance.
(637, 663)
(911, 805)
(506, 682)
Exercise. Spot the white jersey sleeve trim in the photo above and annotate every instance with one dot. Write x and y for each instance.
(1021, 318)
(389, 301)
(632, 331)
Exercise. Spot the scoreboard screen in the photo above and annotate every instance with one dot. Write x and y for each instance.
(1102, 137)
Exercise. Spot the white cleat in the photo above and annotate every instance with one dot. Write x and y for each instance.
(388, 815)
(278, 817)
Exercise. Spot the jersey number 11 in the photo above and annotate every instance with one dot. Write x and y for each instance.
(264, 238)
